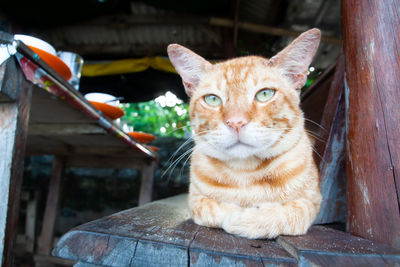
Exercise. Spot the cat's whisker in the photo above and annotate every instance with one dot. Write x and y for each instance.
(177, 129)
(315, 123)
(319, 155)
(187, 142)
(175, 163)
(315, 136)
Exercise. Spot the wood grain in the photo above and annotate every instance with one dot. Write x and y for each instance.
(216, 247)
(161, 234)
(323, 103)
(323, 246)
(50, 213)
(146, 183)
(332, 170)
(13, 128)
(371, 32)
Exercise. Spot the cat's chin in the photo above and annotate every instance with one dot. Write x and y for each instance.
(236, 151)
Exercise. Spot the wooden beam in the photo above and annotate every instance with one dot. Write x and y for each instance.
(146, 186)
(14, 117)
(44, 129)
(97, 161)
(50, 213)
(9, 86)
(252, 27)
(371, 34)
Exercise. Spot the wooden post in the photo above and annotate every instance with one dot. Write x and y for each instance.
(146, 186)
(50, 213)
(15, 104)
(371, 32)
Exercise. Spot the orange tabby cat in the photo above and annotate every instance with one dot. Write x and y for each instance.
(252, 168)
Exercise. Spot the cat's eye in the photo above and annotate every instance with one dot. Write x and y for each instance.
(265, 94)
(213, 100)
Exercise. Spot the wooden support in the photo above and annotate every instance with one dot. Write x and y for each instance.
(14, 118)
(247, 26)
(98, 161)
(332, 170)
(330, 109)
(146, 186)
(50, 213)
(30, 221)
(323, 105)
(371, 33)
(55, 129)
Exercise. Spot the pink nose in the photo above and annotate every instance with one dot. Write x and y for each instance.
(236, 123)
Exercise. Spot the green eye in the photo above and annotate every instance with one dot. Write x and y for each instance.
(212, 100)
(264, 95)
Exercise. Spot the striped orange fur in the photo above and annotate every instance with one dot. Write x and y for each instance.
(252, 170)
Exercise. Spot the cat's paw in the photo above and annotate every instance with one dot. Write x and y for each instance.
(248, 223)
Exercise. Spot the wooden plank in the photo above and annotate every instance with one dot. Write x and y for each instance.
(10, 86)
(213, 247)
(50, 212)
(333, 172)
(49, 261)
(372, 61)
(331, 105)
(156, 232)
(58, 148)
(267, 29)
(161, 234)
(324, 105)
(30, 222)
(323, 246)
(61, 112)
(45, 129)
(92, 161)
(13, 128)
(146, 185)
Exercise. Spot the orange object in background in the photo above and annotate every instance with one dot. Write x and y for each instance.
(108, 110)
(142, 137)
(154, 148)
(54, 62)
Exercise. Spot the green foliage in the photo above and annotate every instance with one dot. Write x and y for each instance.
(151, 117)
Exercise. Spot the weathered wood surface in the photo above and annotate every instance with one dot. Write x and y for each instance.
(161, 233)
(333, 171)
(14, 117)
(10, 85)
(50, 213)
(329, 111)
(99, 161)
(323, 107)
(46, 129)
(323, 246)
(332, 165)
(371, 32)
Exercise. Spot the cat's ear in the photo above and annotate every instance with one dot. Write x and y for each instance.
(189, 65)
(295, 59)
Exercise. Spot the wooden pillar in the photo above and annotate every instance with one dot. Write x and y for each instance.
(146, 186)
(371, 33)
(50, 212)
(15, 104)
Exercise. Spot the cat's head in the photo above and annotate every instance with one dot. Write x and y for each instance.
(249, 106)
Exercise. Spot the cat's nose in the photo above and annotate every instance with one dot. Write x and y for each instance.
(236, 123)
